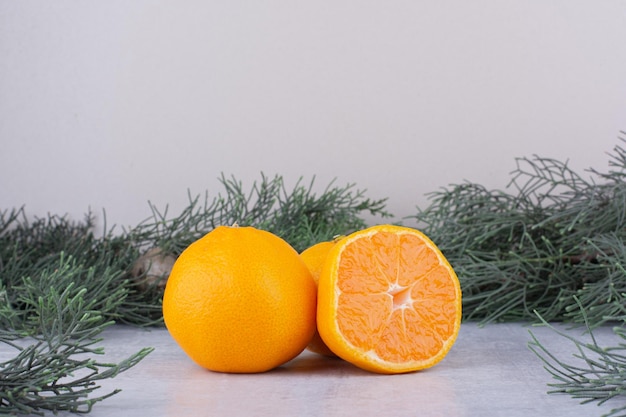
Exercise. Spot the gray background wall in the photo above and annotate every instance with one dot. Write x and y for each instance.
(111, 104)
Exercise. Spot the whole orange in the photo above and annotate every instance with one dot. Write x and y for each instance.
(240, 300)
(314, 258)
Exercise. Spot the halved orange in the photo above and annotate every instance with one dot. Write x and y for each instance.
(388, 300)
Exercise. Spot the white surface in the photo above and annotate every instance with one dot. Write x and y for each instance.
(111, 104)
(489, 372)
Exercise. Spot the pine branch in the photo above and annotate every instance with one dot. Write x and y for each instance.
(60, 285)
(549, 247)
(57, 370)
(298, 215)
(598, 373)
(552, 235)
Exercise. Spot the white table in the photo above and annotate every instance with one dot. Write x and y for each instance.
(490, 371)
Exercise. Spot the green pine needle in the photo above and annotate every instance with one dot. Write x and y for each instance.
(551, 245)
(598, 374)
(56, 370)
(552, 235)
(61, 285)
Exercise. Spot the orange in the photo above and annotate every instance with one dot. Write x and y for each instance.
(240, 300)
(388, 300)
(314, 258)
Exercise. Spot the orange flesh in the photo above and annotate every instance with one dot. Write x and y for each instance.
(396, 299)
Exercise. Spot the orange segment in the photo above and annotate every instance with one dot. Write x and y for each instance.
(388, 300)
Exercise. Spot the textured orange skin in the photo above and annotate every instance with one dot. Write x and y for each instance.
(314, 258)
(329, 322)
(240, 300)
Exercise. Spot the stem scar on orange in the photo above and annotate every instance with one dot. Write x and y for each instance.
(388, 300)
(240, 300)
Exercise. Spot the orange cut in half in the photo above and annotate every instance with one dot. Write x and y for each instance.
(388, 300)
